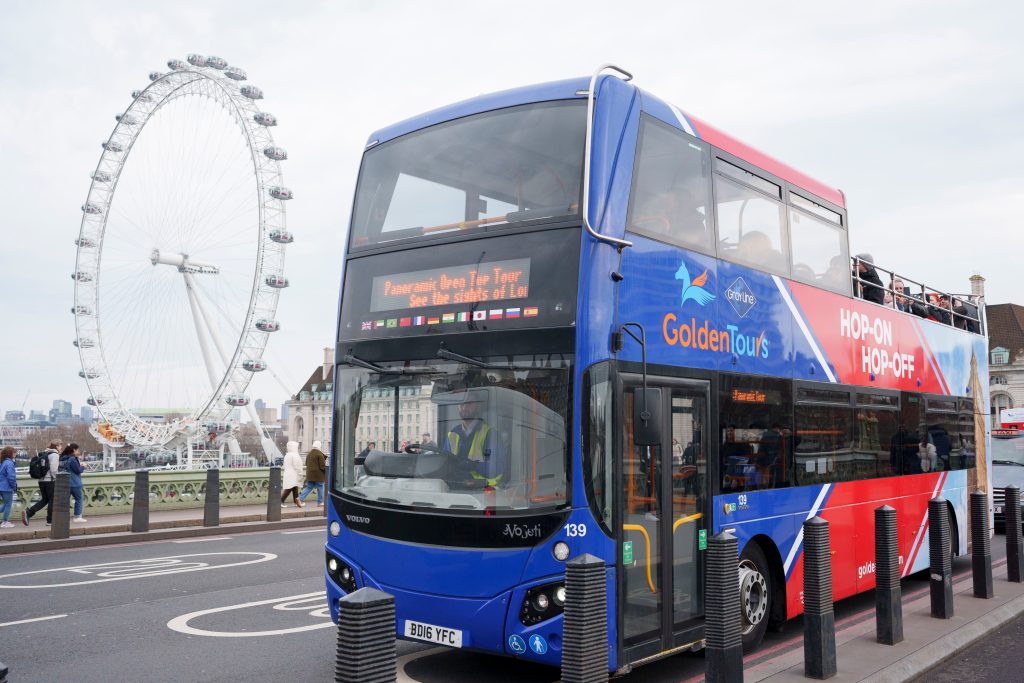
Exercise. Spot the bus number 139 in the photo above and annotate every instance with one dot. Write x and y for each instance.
(575, 530)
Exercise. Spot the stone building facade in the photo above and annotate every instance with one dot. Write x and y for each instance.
(309, 410)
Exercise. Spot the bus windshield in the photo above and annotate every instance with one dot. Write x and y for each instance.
(488, 435)
(499, 167)
(1007, 450)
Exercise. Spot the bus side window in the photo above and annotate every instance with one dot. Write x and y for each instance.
(824, 436)
(598, 443)
(756, 442)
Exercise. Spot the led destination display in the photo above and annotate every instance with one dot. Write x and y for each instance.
(452, 285)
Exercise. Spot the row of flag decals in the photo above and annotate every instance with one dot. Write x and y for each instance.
(444, 318)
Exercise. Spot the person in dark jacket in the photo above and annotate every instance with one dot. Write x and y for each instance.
(966, 317)
(45, 486)
(938, 308)
(907, 304)
(70, 463)
(867, 282)
(316, 473)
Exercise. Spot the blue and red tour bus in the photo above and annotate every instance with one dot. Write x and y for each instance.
(575, 319)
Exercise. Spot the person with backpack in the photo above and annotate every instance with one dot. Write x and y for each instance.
(43, 467)
(70, 463)
(8, 483)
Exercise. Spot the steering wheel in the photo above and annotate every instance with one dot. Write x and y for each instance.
(461, 466)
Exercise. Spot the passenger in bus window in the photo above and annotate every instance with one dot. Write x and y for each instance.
(756, 247)
(676, 214)
(866, 280)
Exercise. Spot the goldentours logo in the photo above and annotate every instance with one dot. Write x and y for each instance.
(698, 334)
(694, 289)
(740, 297)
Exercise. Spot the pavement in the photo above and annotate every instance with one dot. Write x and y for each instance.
(163, 524)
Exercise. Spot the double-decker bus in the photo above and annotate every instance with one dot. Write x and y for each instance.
(575, 319)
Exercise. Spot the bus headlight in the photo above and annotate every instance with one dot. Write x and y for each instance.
(332, 565)
(335, 528)
(541, 603)
(341, 574)
(561, 551)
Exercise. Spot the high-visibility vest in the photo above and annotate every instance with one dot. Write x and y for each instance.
(476, 446)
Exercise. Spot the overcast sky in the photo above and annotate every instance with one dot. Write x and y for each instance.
(914, 109)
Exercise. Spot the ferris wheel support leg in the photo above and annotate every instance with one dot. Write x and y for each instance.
(197, 312)
(270, 448)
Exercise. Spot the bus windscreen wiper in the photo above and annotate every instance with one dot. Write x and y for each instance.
(349, 359)
(442, 352)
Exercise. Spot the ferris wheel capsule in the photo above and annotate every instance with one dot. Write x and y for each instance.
(81, 276)
(276, 153)
(216, 427)
(254, 365)
(265, 119)
(141, 96)
(217, 63)
(80, 310)
(85, 243)
(89, 374)
(101, 176)
(235, 74)
(126, 119)
(176, 64)
(85, 343)
(92, 208)
(251, 91)
(237, 400)
(112, 146)
(277, 281)
(267, 325)
(155, 75)
(94, 401)
(281, 236)
(282, 193)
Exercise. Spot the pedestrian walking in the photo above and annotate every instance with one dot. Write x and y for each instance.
(8, 483)
(49, 460)
(70, 463)
(316, 473)
(291, 474)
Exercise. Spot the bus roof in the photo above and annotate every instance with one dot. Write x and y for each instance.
(570, 88)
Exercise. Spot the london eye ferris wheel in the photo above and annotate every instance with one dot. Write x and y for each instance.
(180, 259)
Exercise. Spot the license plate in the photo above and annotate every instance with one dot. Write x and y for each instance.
(433, 634)
(999, 509)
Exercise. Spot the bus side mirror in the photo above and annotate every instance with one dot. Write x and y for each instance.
(647, 417)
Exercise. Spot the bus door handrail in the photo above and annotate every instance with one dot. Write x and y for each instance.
(647, 542)
(619, 244)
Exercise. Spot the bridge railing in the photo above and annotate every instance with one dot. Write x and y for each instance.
(109, 493)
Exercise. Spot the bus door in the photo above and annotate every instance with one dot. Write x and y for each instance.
(664, 494)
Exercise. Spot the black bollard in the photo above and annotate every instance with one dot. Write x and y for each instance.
(981, 546)
(274, 495)
(819, 617)
(941, 571)
(723, 653)
(3, 671)
(61, 518)
(585, 621)
(888, 594)
(140, 503)
(366, 650)
(1014, 536)
(211, 498)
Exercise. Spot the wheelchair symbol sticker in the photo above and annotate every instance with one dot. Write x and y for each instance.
(517, 644)
(538, 644)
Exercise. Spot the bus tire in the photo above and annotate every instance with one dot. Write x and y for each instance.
(954, 536)
(755, 581)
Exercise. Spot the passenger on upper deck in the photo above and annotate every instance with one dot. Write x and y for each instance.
(866, 282)
(674, 211)
(966, 315)
(905, 303)
(938, 308)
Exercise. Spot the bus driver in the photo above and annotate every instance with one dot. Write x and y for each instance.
(474, 440)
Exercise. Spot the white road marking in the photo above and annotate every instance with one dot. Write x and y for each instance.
(137, 569)
(201, 540)
(306, 531)
(29, 621)
(288, 603)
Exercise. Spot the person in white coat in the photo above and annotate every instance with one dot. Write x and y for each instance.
(291, 474)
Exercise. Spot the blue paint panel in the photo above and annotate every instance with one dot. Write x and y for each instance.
(613, 147)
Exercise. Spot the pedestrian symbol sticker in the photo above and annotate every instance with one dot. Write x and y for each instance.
(627, 552)
(516, 644)
(702, 539)
(538, 644)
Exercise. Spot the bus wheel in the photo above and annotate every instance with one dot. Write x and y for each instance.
(755, 596)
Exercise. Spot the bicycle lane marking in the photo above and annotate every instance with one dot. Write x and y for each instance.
(132, 569)
(314, 604)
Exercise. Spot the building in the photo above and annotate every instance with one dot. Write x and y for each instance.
(268, 416)
(309, 411)
(87, 414)
(14, 416)
(1006, 357)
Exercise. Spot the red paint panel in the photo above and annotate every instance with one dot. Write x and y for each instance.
(867, 344)
(744, 151)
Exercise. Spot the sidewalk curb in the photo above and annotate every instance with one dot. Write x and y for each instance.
(120, 538)
(938, 651)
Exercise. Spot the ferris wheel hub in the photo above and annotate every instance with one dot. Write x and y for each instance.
(182, 263)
